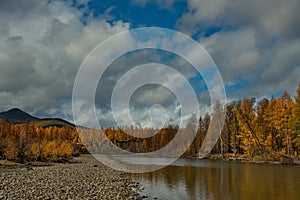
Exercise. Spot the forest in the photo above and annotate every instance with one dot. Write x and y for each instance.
(268, 128)
(29, 142)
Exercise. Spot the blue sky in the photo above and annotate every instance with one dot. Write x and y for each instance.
(255, 44)
(159, 14)
(137, 15)
(141, 14)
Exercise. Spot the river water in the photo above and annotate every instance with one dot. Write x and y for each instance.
(206, 179)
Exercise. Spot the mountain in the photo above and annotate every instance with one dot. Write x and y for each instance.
(17, 116)
(46, 122)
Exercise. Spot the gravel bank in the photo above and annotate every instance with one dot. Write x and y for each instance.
(86, 180)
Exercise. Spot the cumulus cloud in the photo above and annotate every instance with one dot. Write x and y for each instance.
(42, 44)
(147, 95)
(254, 43)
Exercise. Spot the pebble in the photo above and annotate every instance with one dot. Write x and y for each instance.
(88, 179)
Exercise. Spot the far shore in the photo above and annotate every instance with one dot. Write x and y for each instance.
(244, 159)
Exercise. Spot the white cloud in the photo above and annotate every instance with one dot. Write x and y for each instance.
(257, 43)
(41, 48)
(235, 52)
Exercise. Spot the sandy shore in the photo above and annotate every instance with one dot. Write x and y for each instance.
(88, 179)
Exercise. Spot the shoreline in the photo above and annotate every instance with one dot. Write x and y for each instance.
(83, 177)
(240, 159)
(86, 178)
(83, 158)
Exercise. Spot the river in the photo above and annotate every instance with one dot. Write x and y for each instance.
(207, 179)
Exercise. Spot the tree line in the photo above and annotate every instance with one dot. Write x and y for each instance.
(28, 142)
(268, 128)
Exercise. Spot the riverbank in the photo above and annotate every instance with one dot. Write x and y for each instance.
(85, 178)
(256, 160)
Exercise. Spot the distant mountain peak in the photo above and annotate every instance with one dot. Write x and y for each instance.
(16, 115)
(15, 110)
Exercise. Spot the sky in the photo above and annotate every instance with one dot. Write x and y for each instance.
(255, 45)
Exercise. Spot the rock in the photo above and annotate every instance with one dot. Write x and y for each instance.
(66, 181)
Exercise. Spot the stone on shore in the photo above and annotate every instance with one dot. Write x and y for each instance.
(66, 181)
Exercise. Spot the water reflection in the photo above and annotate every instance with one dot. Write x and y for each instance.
(204, 179)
